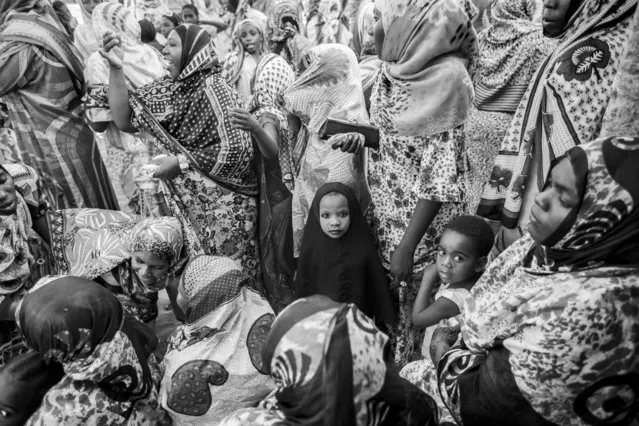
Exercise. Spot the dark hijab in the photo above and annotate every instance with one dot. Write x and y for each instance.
(348, 269)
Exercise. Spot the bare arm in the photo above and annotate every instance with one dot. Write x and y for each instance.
(267, 136)
(118, 91)
(402, 260)
(441, 309)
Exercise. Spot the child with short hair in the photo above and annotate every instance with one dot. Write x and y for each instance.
(338, 257)
(461, 259)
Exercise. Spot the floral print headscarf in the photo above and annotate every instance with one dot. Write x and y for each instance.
(161, 236)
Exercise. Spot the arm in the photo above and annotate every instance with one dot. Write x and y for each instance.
(401, 266)
(425, 291)
(441, 309)
(118, 92)
(266, 136)
(220, 25)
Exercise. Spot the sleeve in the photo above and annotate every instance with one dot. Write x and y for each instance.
(459, 296)
(441, 174)
(17, 67)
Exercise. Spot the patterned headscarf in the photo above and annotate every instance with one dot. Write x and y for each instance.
(428, 48)
(511, 49)
(196, 49)
(220, 345)
(563, 106)
(86, 39)
(328, 361)
(142, 63)
(568, 319)
(105, 355)
(161, 236)
(286, 31)
(362, 28)
(273, 76)
(17, 6)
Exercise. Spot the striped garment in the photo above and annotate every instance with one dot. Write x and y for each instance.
(41, 83)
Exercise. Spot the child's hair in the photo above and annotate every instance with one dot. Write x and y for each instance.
(477, 230)
(193, 8)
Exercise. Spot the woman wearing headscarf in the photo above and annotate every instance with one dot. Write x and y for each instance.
(133, 258)
(286, 32)
(552, 325)
(418, 173)
(329, 363)
(125, 153)
(85, 36)
(208, 169)
(329, 87)
(512, 48)
(326, 23)
(106, 355)
(42, 83)
(241, 64)
(274, 136)
(563, 107)
(220, 345)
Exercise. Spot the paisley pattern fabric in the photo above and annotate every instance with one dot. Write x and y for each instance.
(567, 327)
(106, 357)
(329, 87)
(328, 362)
(214, 365)
(563, 107)
(326, 23)
(98, 244)
(24, 256)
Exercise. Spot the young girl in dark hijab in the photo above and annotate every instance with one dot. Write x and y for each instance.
(338, 258)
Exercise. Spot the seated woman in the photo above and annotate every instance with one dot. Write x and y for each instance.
(329, 87)
(330, 366)
(552, 327)
(268, 122)
(132, 258)
(208, 170)
(106, 355)
(219, 345)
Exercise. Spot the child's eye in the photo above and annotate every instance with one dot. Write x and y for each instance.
(459, 259)
(324, 215)
(441, 252)
(343, 214)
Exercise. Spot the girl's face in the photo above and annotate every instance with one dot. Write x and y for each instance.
(554, 203)
(335, 216)
(150, 269)
(167, 27)
(89, 5)
(251, 39)
(378, 31)
(8, 195)
(173, 54)
(457, 261)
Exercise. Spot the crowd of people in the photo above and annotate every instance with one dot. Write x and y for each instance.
(361, 212)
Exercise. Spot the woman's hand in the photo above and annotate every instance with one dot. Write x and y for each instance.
(348, 142)
(168, 167)
(244, 120)
(401, 265)
(112, 51)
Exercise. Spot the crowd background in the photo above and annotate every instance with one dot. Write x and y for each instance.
(337, 212)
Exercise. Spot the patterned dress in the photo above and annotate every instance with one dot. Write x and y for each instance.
(41, 82)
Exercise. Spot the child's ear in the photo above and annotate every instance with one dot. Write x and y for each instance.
(481, 263)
